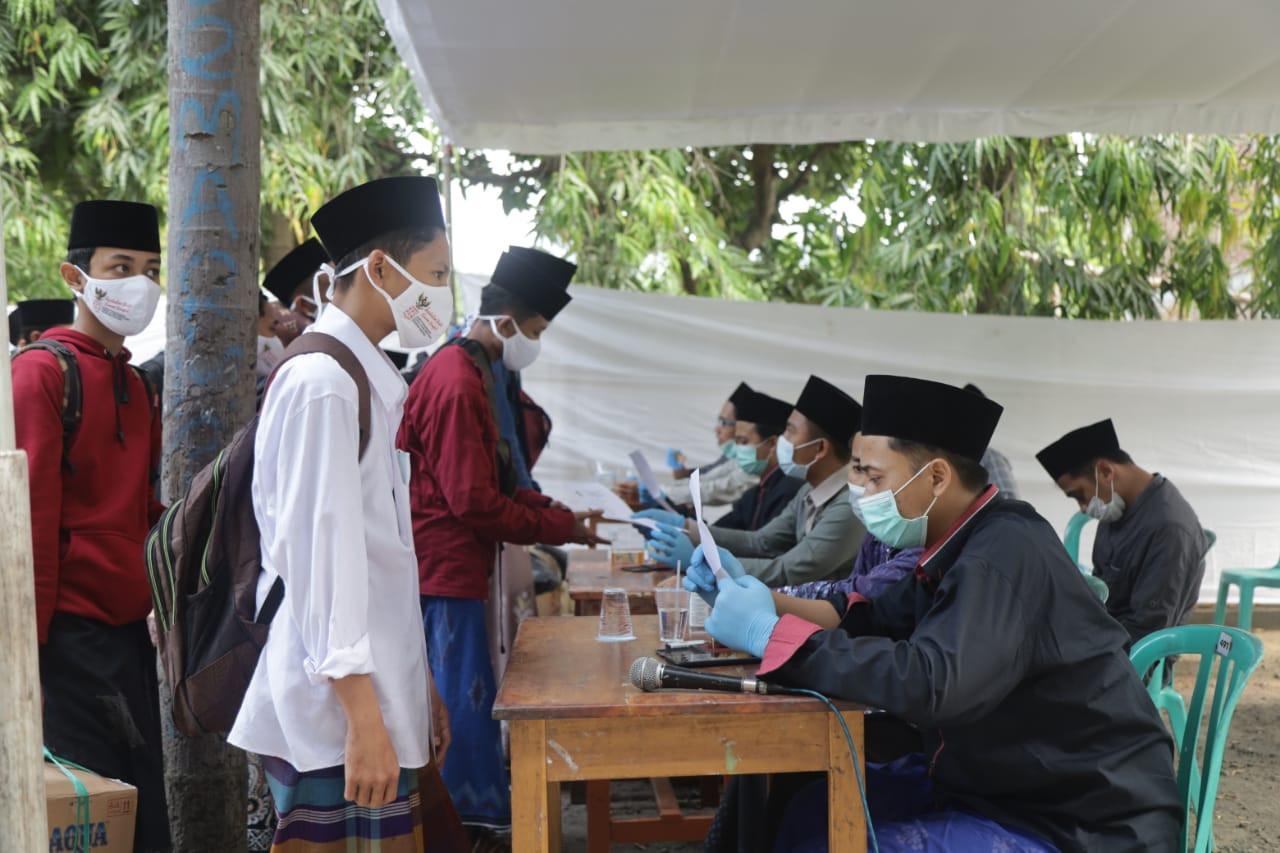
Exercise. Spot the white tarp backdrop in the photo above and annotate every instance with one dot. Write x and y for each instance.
(1194, 401)
(546, 76)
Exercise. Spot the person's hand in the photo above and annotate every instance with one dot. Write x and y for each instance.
(440, 733)
(629, 491)
(682, 473)
(555, 504)
(582, 534)
(661, 516)
(744, 615)
(701, 579)
(151, 628)
(670, 545)
(675, 459)
(372, 771)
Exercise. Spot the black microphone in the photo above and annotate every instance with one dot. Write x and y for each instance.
(651, 674)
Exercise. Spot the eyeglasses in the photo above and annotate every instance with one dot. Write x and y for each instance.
(725, 422)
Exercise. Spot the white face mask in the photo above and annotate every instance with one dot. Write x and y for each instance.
(317, 303)
(416, 311)
(270, 350)
(123, 305)
(1109, 511)
(518, 351)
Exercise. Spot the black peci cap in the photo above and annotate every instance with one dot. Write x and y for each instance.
(539, 280)
(291, 270)
(40, 314)
(1078, 447)
(838, 414)
(761, 409)
(931, 413)
(118, 224)
(740, 394)
(372, 210)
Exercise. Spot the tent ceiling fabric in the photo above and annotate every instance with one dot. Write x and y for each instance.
(548, 76)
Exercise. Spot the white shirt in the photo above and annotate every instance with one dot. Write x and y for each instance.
(339, 534)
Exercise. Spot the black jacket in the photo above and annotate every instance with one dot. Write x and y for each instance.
(759, 504)
(1018, 678)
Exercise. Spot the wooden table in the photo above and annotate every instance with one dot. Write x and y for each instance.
(575, 716)
(589, 575)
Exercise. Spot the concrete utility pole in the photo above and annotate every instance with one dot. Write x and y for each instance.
(23, 821)
(215, 122)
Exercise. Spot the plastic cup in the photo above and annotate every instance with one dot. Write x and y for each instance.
(699, 610)
(615, 617)
(673, 613)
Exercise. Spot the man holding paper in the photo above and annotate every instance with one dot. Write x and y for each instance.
(816, 536)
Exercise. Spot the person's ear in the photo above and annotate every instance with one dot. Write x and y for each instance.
(72, 276)
(1106, 470)
(942, 474)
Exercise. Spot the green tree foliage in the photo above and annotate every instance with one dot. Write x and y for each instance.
(1077, 226)
(84, 113)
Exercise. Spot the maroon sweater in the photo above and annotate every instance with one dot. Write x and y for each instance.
(88, 526)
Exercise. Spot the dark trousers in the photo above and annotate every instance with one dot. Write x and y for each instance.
(102, 711)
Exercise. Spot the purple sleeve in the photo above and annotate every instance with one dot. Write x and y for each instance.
(892, 570)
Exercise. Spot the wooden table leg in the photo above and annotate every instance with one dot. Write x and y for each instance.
(599, 835)
(845, 821)
(535, 801)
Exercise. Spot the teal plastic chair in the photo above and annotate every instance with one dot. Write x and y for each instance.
(1235, 654)
(1071, 536)
(1247, 580)
(1097, 587)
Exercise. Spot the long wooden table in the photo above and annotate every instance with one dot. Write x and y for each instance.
(589, 574)
(575, 716)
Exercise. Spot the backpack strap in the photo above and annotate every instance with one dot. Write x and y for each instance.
(507, 480)
(153, 402)
(72, 392)
(313, 342)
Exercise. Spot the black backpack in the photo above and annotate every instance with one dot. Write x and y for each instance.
(204, 558)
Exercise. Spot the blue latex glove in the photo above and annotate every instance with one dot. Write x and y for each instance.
(670, 545)
(744, 615)
(675, 459)
(700, 579)
(661, 516)
(647, 497)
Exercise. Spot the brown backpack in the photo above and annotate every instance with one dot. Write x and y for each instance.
(204, 558)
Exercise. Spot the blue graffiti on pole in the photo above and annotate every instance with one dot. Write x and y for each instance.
(196, 119)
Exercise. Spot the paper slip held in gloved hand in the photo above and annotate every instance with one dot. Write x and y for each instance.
(709, 549)
(645, 473)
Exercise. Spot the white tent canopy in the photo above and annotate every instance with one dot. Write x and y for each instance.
(547, 76)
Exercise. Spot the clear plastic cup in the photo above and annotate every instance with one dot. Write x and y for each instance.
(615, 617)
(673, 613)
(699, 610)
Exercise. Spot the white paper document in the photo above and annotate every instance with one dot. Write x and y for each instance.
(585, 496)
(709, 549)
(645, 473)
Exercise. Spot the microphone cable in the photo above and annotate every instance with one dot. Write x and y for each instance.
(853, 752)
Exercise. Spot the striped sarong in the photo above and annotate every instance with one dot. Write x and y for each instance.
(315, 817)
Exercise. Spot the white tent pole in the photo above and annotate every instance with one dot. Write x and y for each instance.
(446, 178)
(22, 808)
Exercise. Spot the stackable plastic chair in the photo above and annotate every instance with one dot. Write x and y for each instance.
(1235, 654)
(1247, 580)
(1071, 536)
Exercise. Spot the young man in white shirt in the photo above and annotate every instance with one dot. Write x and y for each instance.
(341, 705)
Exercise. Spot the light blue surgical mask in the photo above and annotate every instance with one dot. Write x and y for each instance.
(726, 449)
(746, 456)
(786, 457)
(855, 494)
(884, 521)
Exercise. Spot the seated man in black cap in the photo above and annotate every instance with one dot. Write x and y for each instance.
(761, 420)
(1150, 548)
(466, 501)
(92, 505)
(816, 536)
(1039, 734)
(341, 704)
(33, 317)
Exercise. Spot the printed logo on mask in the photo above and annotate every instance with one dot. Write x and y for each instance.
(423, 302)
(99, 293)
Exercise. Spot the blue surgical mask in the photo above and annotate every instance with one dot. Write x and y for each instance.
(786, 457)
(880, 514)
(726, 449)
(746, 456)
(855, 494)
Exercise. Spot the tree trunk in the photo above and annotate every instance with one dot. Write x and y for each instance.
(212, 261)
(765, 178)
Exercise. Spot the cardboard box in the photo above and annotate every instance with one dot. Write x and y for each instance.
(113, 808)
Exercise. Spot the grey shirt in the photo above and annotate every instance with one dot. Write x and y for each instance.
(1152, 560)
(814, 538)
(1000, 472)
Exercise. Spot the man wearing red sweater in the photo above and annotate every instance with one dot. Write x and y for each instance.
(465, 502)
(92, 503)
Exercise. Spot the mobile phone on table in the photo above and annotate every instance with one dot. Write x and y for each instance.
(704, 655)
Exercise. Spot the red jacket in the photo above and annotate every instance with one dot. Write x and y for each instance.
(88, 526)
(459, 512)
